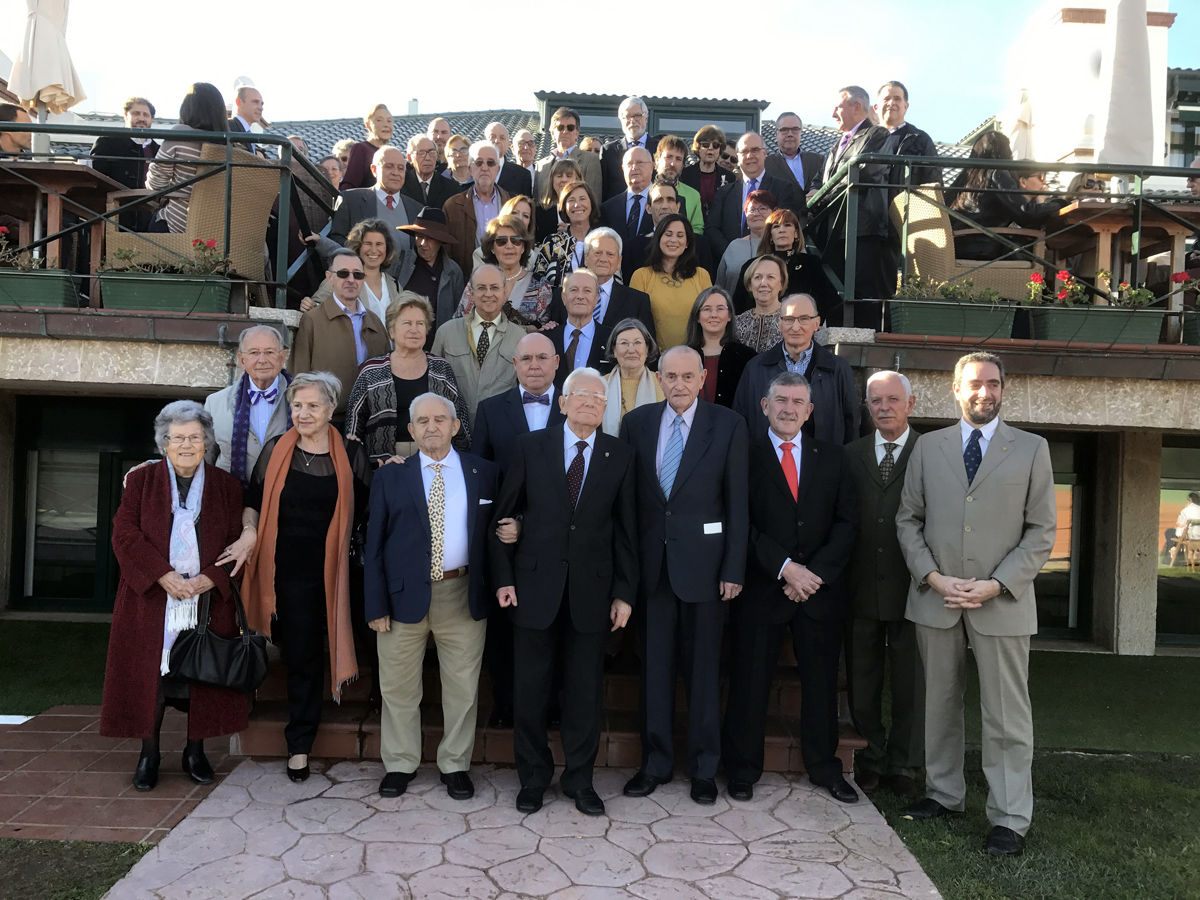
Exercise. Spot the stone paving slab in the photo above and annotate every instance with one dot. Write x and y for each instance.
(258, 836)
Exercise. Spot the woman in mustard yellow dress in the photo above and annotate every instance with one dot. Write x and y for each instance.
(672, 278)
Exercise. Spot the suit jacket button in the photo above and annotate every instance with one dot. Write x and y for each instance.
(880, 549)
(881, 520)
(968, 528)
(969, 499)
(668, 512)
(572, 527)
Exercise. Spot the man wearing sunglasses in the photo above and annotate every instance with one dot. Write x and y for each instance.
(564, 130)
(468, 212)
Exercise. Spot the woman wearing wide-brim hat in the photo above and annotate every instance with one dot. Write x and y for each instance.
(436, 277)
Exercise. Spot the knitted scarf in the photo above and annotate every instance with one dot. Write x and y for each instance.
(241, 426)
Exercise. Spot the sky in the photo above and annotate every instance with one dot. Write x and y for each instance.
(793, 56)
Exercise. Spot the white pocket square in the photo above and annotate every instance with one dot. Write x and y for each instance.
(483, 502)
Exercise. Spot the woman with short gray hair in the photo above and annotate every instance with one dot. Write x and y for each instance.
(175, 519)
(631, 383)
(307, 495)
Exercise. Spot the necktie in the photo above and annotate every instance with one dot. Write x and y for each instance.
(572, 349)
(789, 469)
(600, 305)
(391, 202)
(481, 348)
(527, 397)
(753, 187)
(973, 455)
(635, 215)
(269, 396)
(425, 189)
(844, 142)
(575, 472)
(888, 461)
(671, 457)
(437, 521)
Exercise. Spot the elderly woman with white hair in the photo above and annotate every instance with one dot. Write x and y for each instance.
(170, 532)
(631, 383)
(308, 491)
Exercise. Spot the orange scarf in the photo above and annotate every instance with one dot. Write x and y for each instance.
(259, 583)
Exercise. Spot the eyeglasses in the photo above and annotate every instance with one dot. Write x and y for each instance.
(347, 273)
(567, 127)
(746, 151)
(455, 151)
(178, 440)
(728, 158)
(709, 145)
(488, 163)
(526, 143)
(796, 320)
(432, 152)
(589, 395)
(630, 345)
(503, 240)
(795, 129)
(633, 117)
(260, 354)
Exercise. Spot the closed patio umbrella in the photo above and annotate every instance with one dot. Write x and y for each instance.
(1124, 117)
(1020, 128)
(42, 74)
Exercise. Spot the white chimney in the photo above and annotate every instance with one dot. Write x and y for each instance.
(412, 106)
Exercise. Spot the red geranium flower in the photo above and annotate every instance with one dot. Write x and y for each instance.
(1124, 285)
(1037, 278)
(1179, 277)
(1062, 295)
(1063, 275)
(212, 244)
(3, 229)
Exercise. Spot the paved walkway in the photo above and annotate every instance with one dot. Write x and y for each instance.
(333, 838)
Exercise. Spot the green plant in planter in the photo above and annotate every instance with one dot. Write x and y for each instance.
(192, 285)
(963, 290)
(206, 262)
(953, 308)
(31, 281)
(11, 259)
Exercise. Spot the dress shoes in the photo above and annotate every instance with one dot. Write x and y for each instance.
(704, 791)
(501, 717)
(928, 809)
(395, 783)
(145, 776)
(1003, 841)
(587, 801)
(643, 784)
(868, 782)
(740, 790)
(529, 799)
(903, 787)
(458, 785)
(298, 773)
(840, 789)
(196, 765)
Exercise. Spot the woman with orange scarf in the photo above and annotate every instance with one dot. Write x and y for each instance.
(309, 489)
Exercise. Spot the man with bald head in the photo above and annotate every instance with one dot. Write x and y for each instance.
(384, 200)
(879, 578)
(581, 340)
(511, 178)
(628, 213)
(693, 521)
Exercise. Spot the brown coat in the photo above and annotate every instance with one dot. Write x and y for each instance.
(141, 540)
(460, 219)
(325, 343)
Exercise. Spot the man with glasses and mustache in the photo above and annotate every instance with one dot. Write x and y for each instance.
(341, 335)
(468, 213)
(831, 381)
(790, 163)
(564, 129)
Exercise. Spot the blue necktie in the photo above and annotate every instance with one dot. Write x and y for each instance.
(671, 457)
(753, 187)
(268, 395)
(973, 455)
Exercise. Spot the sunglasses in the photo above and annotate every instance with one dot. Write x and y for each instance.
(347, 273)
(728, 158)
(710, 145)
(564, 127)
(489, 163)
(504, 240)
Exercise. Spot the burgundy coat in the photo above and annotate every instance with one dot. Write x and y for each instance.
(141, 538)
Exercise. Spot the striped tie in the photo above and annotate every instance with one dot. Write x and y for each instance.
(671, 457)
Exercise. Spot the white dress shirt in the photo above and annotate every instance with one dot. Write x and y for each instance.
(260, 412)
(587, 334)
(777, 442)
(475, 326)
(383, 195)
(570, 451)
(536, 415)
(642, 208)
(880, 440)
(664, 430)
(377, 305)
(456, 551)
(988, 431)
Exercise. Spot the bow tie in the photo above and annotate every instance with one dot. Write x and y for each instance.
(527, 397)
(269, 396)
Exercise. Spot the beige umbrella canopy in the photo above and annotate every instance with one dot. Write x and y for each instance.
(1020, 128)
(1124, 120)
(42, 75)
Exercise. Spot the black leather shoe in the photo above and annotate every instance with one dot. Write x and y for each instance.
(394, 784)
(928, 809)
(587, 801)
(458, 785)
(501, 717)
(643, 784)
(868, 782)
(1003, 841)
(704, 791)
(196, 765)
(529, 799)
(740, 790)
(841, 791)
(145, 776)
(299, 773)
(903, 786)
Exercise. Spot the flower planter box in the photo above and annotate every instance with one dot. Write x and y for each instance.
(152, 292)
(41, 287)
(1096, 324)
(952, 318)
(1191, 328)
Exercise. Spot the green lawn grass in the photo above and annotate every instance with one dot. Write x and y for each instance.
(45, 664)
(63, 870)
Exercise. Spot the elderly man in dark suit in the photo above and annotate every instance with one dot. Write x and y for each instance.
(425, 575)
(616, 301)
(581, 340)
(790, 163)
(513, 177)
(726, 220)
(423, 183)
(831, 380)
(635, 118)
(384, 200)
(628, 213)
(568, 581)
(691, 487)
(125, 159)
(803, 522)
(878, 633)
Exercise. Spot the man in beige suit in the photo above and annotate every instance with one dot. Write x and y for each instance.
(976, 524)
(480, 346)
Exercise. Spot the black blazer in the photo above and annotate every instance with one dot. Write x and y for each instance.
(357, 204)
(596, 358)
(633, 246)
(130, 162)
(440, 189)
(611, 154)
(832, 390)
(586, 551)
(730, 365)
(623, 303)
(872, 206)
(806, 275)
(810, 162)
(513, 178)
(500, 421)
(908, 140)
(724, 221)
(700, 531)
(816, 530)
(878, 574)
(396, 560)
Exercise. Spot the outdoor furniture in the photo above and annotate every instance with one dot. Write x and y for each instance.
(1187, 545)
(930, 250)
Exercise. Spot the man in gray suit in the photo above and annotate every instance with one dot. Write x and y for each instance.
(564, 129)
(382, 200)
(976, 524)
(878, 632)
(790, 163)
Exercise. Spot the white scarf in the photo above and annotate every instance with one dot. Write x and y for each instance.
(611, 424)
(184, 557)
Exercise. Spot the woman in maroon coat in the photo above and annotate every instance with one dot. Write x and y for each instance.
(176, 521)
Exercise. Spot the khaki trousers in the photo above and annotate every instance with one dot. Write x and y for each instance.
(1003, 664)
(459, 640)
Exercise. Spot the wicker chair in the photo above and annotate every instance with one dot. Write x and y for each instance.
(255, 190)
(930, 251)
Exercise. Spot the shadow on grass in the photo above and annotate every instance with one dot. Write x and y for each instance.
(50, 664)
(63, 870)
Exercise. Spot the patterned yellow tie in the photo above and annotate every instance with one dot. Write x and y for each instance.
(437, 521)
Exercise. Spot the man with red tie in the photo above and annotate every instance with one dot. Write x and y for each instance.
(803, 525)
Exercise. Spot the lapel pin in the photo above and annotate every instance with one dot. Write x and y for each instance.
(474, 471)
(606, 453)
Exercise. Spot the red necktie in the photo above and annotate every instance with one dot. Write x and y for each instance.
(391, 202)
(789, 469)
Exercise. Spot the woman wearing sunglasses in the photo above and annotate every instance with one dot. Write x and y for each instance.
(706, 176)
(508, 244)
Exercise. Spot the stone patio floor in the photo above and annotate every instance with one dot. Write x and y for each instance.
(257, 835)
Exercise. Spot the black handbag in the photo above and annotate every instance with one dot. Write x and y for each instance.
(199, 656)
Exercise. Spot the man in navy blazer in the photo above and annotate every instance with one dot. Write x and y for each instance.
(693, 521)
(726, 221)
(425, 573)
